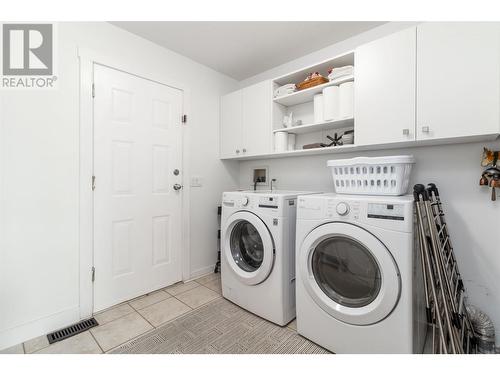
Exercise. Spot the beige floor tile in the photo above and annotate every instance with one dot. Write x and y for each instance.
(16, 349)
(113, 313)
(215, 285)
(293, 324)
(120, 330)
(149, 299)
(198, 296)
(208, 278)
(181, 287)
(36, 344)
(164, 311)
(83, 343)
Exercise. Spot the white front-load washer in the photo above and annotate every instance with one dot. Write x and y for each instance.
(258, 252)
(359, 285)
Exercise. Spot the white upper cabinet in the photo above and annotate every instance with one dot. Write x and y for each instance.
(246, 121)
(385, 89)
(458, 67)
(257, 101)
(437, 82)
(231, 125)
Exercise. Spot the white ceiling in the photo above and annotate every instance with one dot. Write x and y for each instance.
(243, 49)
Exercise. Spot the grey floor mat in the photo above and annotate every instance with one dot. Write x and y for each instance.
(220, 327)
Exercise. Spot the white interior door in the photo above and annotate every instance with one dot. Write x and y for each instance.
(137, 212)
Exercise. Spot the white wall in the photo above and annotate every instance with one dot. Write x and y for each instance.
(473, 219)
(39, 169)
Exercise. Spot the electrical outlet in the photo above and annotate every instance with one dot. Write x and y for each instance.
(196, 181)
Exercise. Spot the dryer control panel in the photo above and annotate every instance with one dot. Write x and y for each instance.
(342, 209)
(386, 211)
(394, 213)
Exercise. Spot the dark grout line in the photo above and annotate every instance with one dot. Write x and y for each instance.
(97, 342)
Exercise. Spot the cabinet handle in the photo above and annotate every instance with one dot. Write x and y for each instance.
(237, 151)
(406, 131)
(425, 129)
(244, 150)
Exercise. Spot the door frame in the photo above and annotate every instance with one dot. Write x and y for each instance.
(87, 59)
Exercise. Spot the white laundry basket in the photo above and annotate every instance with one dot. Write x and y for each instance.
(387, 175)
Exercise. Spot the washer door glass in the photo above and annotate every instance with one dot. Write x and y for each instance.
(247, 247)
(346, 271)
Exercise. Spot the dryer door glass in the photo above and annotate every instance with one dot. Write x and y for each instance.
(247, 247)
(346, 271)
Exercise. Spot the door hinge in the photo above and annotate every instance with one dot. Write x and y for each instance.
(93, 274)
(93, 183)
(93, 90)
(184, 119)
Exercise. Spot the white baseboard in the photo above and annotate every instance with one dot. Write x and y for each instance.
(43, 326)
(201, 272)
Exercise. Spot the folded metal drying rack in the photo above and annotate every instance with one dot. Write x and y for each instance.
(451, 328)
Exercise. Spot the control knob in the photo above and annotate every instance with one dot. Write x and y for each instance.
(342, 208)
(244, 201)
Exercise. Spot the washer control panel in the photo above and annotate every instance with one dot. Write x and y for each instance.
(268, 202)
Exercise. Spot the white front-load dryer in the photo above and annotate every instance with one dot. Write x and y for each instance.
(359, 286)
(258, 252)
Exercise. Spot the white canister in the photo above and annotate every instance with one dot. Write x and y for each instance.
(318, 108)
(346, 100)
(291, 141)
(280, 141)
(331, 103)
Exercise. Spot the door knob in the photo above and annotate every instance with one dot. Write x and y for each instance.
(177, 187)
(425, 129)
(406, 131)
(244, 150)
(237, 151)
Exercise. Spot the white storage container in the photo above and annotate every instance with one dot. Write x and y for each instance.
(280, 141)
(387, 175)
(331, 104)
(318, 108)
(346, 100)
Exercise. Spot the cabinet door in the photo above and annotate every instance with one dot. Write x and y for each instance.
(458, 82)
(384, 91)
(257, 119)
(231, 125)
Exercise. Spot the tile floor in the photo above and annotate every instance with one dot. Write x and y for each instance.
(131, 319)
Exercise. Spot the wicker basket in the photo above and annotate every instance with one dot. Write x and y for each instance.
(311, 83)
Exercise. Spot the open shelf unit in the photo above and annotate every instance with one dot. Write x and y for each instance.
(307, 95)
(300, 105)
